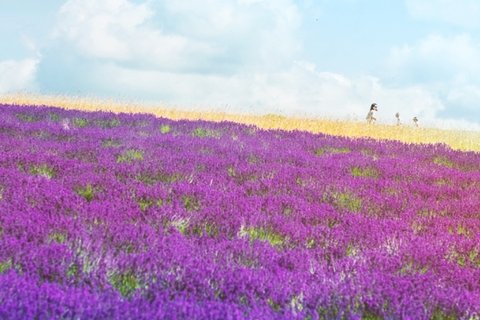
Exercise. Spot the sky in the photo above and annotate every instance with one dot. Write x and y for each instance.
(304, 58)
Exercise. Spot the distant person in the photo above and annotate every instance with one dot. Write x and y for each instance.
(415, 121)
(371, 114)
(397, 115)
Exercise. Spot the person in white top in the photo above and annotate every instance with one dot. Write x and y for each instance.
(371, 114)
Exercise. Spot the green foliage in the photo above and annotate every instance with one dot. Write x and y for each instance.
(287, 210)
(86, 192)
(145, 203)
(165, 128)
(243, 300)
(324, 150)
(471, 258)
(427, 212)
(142, 123)
(413, 268)
(127, 247)
(311, 243)
(42, 170)
(253, 159)
(5, 266)
(439, 314)
(126, 283)
(262, 234)
(27, 117)
(443, 161)
(274, 305)
(191, 203)
(211, 229)
(247, 261)
(332, 222)
(80, 122)
(344, 201)
(111, 143)
(352, 250)
(203, 133)
(130, 155)
(461, 261)
(89, 264)
(42, 134)
(474, 258)
(462, 231)
(364, 172)
(443, 182)
(241, 177)
(72, 270)
(201, 229)
(181, 224)
(57, 237)
(296, 303)
(369, 315)
(153, 178)
(300, 182)
(231, 171)
(54, 117)
(108, 123)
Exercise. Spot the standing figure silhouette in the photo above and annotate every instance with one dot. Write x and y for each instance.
(371, 114)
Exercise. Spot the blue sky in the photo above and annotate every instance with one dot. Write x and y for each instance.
(309, 58)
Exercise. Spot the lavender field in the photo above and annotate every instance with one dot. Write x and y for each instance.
(129, 216)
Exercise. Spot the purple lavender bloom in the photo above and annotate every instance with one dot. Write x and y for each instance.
(128, 216)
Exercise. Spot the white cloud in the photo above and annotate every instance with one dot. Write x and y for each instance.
(17, 75)
(262, 31)
(202, 36)
(436, 56)
(242, 53)
(449, 67)
(465, 95)
(116, 30)
(300, 90)
(463, 13)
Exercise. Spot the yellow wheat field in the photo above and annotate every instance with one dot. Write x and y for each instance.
(461, 140)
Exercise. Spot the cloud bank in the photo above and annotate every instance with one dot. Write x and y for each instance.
(247, 56)
(239, 55)
(17, 75)
(446, 66)
(218, 36)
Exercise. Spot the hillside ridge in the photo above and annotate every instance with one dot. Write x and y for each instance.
(457, 139)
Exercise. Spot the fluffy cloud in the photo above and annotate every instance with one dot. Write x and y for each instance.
(300, 90)
(182, 36)
(449, 67)
(437, 57)
(116, 30)
(462, 13)
(244, 54)
(17, 75)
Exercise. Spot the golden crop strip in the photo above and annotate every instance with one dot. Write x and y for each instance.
(457, 139)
